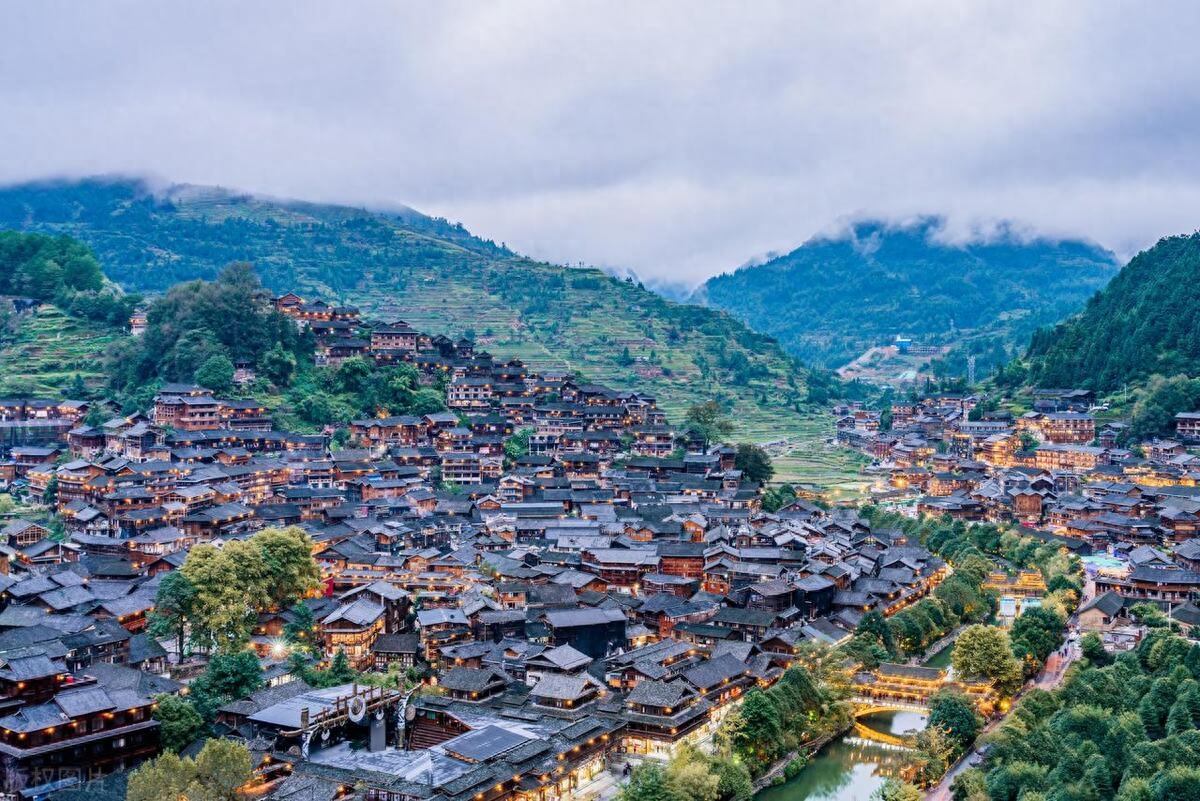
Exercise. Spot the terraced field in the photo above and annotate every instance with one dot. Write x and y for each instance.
(808, 455)
(45, 349)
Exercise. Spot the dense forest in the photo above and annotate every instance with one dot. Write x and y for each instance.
(832, 298)
(63, 271)
(1146, 322)
(1123, 729)
(434, 275)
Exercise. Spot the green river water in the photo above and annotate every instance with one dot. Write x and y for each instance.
(849, 769)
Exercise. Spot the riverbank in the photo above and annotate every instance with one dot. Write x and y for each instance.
(850, 767)
(937, 655)
(808, 751)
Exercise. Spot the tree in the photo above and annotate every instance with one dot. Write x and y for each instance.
(77, 390)
(648, 782)
(273, 568)
(708, 422)
(224, 608)
(1035, 634)
(775, 498)
(302, 628)
(216, 774)
(1149, 615)
(179, 722)
(278, 365)
(224, 766)
(734, 782)
(228, 677)
(985, 651)
(167, 776)
(1093, 650)
(291, 570)
(754, 462)
(896, 790)
(689, 775)
(517, 445)
(174, 603)
(873, 624)
(955, 714)
(216, 373)
(340, 671)
(50, 494)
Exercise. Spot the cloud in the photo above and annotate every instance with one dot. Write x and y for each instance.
(676, 139)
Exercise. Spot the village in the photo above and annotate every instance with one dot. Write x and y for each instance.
(546, 618)
(1130, 513)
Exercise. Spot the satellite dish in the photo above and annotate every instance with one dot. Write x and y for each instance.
(357, 709)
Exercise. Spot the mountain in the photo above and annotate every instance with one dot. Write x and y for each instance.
(436, 276)
(833, 298)
(1145, 322)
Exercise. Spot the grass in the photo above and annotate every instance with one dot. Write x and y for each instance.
(42, 351)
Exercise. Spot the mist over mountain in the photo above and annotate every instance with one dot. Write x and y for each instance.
(980, 292)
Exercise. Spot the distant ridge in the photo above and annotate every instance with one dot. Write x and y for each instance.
(839, 294)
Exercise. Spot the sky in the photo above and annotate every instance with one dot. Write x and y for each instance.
(673, 139)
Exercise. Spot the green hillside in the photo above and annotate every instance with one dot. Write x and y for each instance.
(1145, 322)
(831, 299)
(42, 351)
(436, 276)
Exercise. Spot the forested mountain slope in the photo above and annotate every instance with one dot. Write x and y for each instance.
(832, 298)
(432, 274)
(1145, 322)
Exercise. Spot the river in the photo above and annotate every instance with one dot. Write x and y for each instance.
(849, 769)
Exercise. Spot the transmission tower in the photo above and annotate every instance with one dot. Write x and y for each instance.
(970, 371)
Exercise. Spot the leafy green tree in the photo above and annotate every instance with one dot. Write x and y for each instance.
(1093, 650)
(1035, 634)
(1149, 615)
(302, 628)
(734, 782)
(174, 604)
(216, 774)
(985, 651)
(690, 776)
(775, 498)
(955, 714)
(340, 671)
(179, 722)
(216, 374)
(874, 624)
(648, 782)
(50, 493)
(754, 462)
(278, 365)
(227, 677)
(708, 422)
(287, 555)
(191, 351)
(517, 445)
(1176, 784)
(896, 790)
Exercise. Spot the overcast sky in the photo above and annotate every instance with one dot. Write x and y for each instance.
(676, 139)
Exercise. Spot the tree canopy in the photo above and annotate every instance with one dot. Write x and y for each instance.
(216, 774)
(1145, 322)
